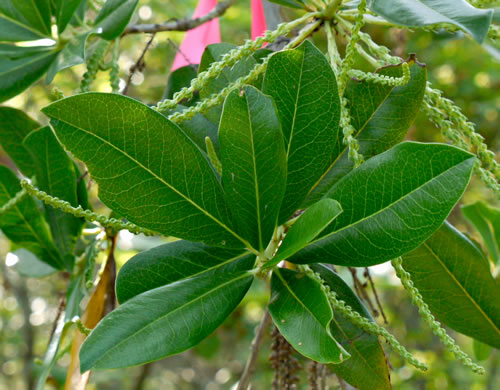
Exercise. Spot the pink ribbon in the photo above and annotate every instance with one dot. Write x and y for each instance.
(198, 38)
(258, 19)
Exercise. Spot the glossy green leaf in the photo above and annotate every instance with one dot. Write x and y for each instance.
(456, 282)
(23, 224)
(366, 369)
(15, 125)
(315, 219)
(392, 203)
(55, 174)
(418, 13)
(163, 321)
(212, 54)
(179, 260)
(72, 54)
(64, 10)
(303, 315)
(24, 20)
(381, 115)
(146, 167)
(486, 220)
(114, 17)
(253, 163)
(303, 86)
(19, 68)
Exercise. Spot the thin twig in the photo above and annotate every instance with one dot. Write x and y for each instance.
(254, 352)
(360, 291)
(184, 24)
(139, 65)
(379, 304)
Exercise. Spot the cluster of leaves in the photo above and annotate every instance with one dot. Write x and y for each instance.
(24, 21)
(262, 183)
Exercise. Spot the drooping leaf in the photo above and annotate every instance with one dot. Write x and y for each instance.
(24, 20)
(366, 369)
(303, 86)
(114, 17)
(179, 260)
(418, 13)
(381, 115)
(486, 220)
(23, 224)
(95, 310)
(253, 163)
(451, 273)
(315, 219)
(64, 12)
(302, 313)
(392, 203)
(72, 54)
(179, 79)
(164, 321)
(481, 351)
(20, 67)
(30, 266)
(214, 53)
(55, 174)
(72, 309)
(15, 125)
(147, 169)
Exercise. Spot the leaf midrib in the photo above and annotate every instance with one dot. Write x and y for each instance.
(187, 304)
(404, 197)
(461, 287)
(24, 64)
(220, 223)
(26, 27)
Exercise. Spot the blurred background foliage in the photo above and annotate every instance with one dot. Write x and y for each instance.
(464, 70)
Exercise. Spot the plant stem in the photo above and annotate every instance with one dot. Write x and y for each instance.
(254, 352)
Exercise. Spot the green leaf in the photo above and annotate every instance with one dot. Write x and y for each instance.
(366, 369)
(481, 351)
(64, 12)
(23, 224)
(303, 86)
(199, 127)
(214, 53)
(114, 17)
(179, 260)
(418, 13)
(164, 321)
(15, 125)
(253, 163)
(451, 273)
(55, 174)
(24, 20)
(381, 115)
(181, 78)
(20, 67)
(30, 266)
(289, 3)
(486, 220)
(303, 315)
(315, 219)
(392, 203)
(72, 54)
(146, 167)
